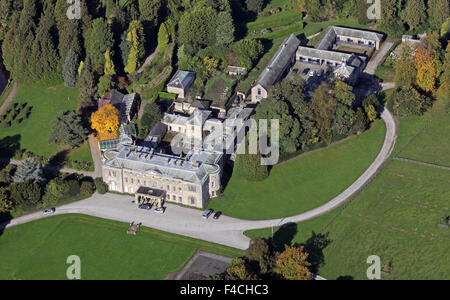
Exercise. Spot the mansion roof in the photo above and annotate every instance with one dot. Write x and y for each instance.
(194, 168)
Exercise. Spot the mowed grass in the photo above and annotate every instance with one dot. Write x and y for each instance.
(433, 144)
(396, 218)
(39, 250)
(46, 103)
(305, 183)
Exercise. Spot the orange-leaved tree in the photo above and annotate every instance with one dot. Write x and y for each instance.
(293, 264)
(106, 122)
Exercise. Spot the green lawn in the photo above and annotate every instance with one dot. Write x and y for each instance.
(305, 183)
(386, 74)
(409, 127)
(83, 153)
(432, 145)
(39, 250)
(395, 217)
(33, 132)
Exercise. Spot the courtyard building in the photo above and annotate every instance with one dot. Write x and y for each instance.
(277, 68)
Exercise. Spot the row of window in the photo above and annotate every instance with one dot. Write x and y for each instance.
(192, 200)
(191, 188)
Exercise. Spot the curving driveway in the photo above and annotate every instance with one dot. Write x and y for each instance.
(227, 231)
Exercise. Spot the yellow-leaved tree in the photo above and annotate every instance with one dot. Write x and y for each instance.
(293, 265)
(106, 122)
(426, 69)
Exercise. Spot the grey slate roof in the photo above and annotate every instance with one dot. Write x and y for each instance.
(351, 59)
(327, 41)
(277, 64)
(145, 160)
(202, 104)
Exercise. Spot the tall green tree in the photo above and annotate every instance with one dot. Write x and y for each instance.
(67, 130)
(197, 29)
(99, 38)
(149, 11)
(17, 47)
(69, 36)
(46, 69)
(390, 20)
(225, 28)
(323, 105)
(438, 12)
(70, 69)
(260, 252)
(405, 71)
(25, 194)
(415, 13)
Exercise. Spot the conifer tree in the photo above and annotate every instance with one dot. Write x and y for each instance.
(29, 171)
(70, 69)
(45, 69)
(136, 38)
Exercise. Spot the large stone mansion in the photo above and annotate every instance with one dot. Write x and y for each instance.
(190, 178)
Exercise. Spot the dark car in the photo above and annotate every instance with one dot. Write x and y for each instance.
(217, 215)
(145, 206)
(295, 71)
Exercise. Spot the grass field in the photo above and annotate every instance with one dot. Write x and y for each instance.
(39, 250)
(305, 183)
(432, 145)
(395, 217)
(33, 132)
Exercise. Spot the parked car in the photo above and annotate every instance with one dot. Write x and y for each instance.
(160, 210)
(49, 211)
(295, 71)
(207, 213)
(320, 73)
(311, 73)
(305, 71)
(217, 215)
(145, 206)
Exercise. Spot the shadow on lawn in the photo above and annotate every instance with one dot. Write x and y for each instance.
(314, 246)
(8, 147)
(59, 159)
(5, 219)
(284, 236)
